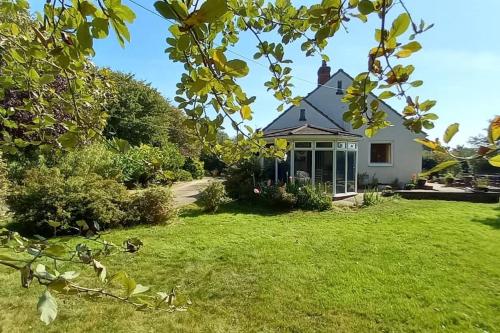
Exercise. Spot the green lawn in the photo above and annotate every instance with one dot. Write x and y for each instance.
(403, 266)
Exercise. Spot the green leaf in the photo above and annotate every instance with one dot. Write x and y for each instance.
(7, 258)
(428, 143)
(246, 112)
(167, 10)
(494, 130)
(427, 105)
(55, 250)
(210, 11)
(100, 27)
(84, 37)
(237, 68)
(47, 307)
(440, 166)
(139, 288)
(68, 140)
(450, 132)
(412, 46)
(495, 161)
(386, 94)
(400, 25)
(365, 7)
(416, 83)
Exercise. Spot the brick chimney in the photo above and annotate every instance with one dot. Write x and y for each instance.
(323, 73)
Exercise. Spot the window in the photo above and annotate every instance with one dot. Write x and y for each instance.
(302, 145)
(302, 115)
(324, 144)
(339, 88)
(380, 153)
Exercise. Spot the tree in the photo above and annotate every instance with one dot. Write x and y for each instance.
(139, 114)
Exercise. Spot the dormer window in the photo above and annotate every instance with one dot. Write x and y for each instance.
(302, 116)
(339, 87)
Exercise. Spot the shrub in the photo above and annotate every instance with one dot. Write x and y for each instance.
(449, 179)
(153, 205)
(277, 196)
(371, 197)
(194, 167)
(46, 197)
(4, 181)
(144, 164)
(387, 191)
(95, 158)
(213, 196)
(183, 175)
(311, 198)
(409, 186)
(241, 179)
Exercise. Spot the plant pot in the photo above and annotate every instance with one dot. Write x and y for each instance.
(421, 183)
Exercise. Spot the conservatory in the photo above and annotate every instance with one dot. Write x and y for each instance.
(325, 158)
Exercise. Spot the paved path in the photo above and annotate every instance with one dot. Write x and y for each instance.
(186, 193)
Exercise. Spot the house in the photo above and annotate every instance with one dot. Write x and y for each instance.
(326, 150)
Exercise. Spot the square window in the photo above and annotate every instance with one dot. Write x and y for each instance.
(380, 153)
(351, 146)
(340, 145)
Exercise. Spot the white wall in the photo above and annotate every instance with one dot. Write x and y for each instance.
(407, 154)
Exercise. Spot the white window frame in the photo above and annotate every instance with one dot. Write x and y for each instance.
(390, 164)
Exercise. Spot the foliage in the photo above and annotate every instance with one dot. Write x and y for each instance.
(153, 205)
(277, 197)
(195, 167)
(371, 197)
(4, 181)
(144, 164)
(96, 158)
(242, 178)
(139, 114)
(24, 254)
(387, 191)
(50, 93)
(410, 186)
(449, 178)
(46, 201)
(213, 196)
(311, 198)
(183, 175)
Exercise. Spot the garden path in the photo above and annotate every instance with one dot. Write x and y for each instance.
(186, 193)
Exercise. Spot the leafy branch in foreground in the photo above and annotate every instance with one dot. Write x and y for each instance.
(489, 151)
(42, 260)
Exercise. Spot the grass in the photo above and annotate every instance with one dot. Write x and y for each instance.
(402, 266)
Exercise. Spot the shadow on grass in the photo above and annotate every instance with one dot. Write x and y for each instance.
(493, 222)
(235, 208)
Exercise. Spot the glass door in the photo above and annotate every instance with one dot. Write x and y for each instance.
(323, 170)
(340, 168)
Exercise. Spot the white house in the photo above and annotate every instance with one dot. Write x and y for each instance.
(326, 150)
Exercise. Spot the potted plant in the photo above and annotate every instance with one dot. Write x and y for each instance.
(481, 184)
(421, 180)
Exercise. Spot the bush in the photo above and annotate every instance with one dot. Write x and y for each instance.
(194, 167)
(153, 205)
(213, 196)
(371, 197)
(46, 200)
(449, 179)
(241, 179)
(311, 198)
(145, 164)
(95, 158)
(409, 186)
(4, 181)
(183, 175)
(277, 196)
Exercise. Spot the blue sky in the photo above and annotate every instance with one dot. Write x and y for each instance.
(459, 62)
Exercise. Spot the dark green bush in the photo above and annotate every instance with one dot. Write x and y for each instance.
(241, 180)
(45, 200)
(213, 196)
(311, 198)
(153, 205)
(195, 167)
(277, 196)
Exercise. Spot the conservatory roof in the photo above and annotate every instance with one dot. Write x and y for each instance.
(307, 130)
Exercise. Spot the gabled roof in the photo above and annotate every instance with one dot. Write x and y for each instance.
(308, 129)
(324, 113)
